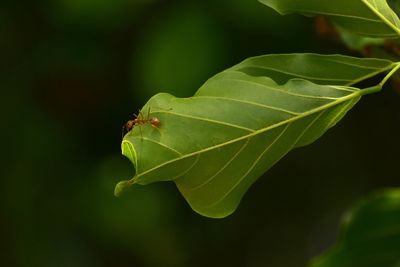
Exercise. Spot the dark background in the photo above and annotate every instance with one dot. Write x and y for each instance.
(73, 71)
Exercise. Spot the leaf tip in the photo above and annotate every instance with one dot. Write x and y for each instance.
(120, 187)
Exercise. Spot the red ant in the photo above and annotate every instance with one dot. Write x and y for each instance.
(139, 120)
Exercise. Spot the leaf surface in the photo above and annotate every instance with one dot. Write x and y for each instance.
(373, 18)
(370, 234)
(215, 144)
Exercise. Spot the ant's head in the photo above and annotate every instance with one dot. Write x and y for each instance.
(155, 122)
(129, 125)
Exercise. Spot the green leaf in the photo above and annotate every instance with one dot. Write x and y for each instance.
(370, 235)
(373, 18)
(319, 69)
(217, 143)
(385, 13)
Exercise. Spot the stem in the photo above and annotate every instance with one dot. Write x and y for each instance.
(390, 74)
(377, 88)
(371, 90)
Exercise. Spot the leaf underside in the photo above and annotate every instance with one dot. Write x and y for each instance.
(371, 18)
(216, 144)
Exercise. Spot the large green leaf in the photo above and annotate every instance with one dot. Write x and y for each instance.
(215, 144)
(372, 18)
(370, 235)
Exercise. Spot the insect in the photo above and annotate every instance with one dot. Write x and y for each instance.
(140, 120)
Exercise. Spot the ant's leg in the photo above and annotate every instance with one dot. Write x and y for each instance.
(155, 127)
(141, 117)
(140, 130)
(148, 114)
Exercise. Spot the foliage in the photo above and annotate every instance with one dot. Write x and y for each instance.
(370, 234)
(363, 17)
(217, 143)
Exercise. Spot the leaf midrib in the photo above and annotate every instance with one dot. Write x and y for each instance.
(288, 92)
(337, 15)
(248, 102)
(305, 77)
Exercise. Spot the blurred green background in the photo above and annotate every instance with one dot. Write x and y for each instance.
(73, 71)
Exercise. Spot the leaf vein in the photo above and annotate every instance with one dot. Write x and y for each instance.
(223, 167)
(283, 91)
(159, 143)
(207, 120)
(249, 102)
(337, 15)
(188, 169)
(252, 166)
(307, 128)
(353, 64)
(265, 151)
(299, 75)
(371, 74)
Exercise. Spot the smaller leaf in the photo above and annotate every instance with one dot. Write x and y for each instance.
(319, 69)
(370, 234)
(373, 18)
